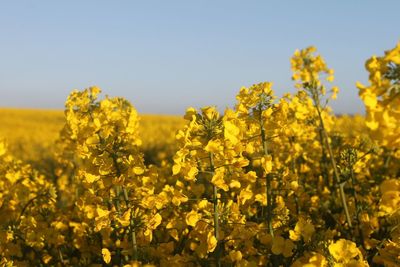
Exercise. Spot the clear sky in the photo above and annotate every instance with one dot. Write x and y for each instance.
(165, 56)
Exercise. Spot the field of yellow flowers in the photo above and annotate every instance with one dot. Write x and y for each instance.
(271, 182)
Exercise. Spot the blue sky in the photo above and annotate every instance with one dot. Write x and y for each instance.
(165, 56)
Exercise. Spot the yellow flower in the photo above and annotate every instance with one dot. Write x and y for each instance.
(303, 229)
(211, 242)
(235, 255)
(125, 218)
(393, 55)
(101, 212)
(213, 146)
(231, 132)
(245, 194)
(192, 218)
(210, 113)
(154, 222)
(218, 180)
(282, 246)
(343, 251)
(266, 162)
(311, 260)
(192, 173)
(335, 91)
(89, 177)
(106, 255)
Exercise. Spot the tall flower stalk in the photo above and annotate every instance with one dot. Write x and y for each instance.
(307, 68)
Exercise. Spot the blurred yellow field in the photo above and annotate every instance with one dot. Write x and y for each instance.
(31, 133)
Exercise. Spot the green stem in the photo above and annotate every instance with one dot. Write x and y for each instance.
(131, 226)
(324, 160)
(293, 166)
(333, 162)
(387, 161)
(116, 198)
(268, 190)
(30, 202)
(353, 182)
(216, 212)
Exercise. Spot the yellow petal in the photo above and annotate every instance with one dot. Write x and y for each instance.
(192, 218)
(231, 132)
(218, 181)
(138, 170)
(211, 242)
(106, 255)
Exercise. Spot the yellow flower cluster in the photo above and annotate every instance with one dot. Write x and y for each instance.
(27, 208)
(382, 99)
(307, 67)
(270, 182)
